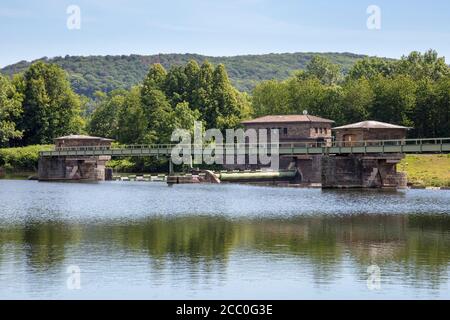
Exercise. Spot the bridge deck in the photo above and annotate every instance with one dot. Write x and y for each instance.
(437, 145)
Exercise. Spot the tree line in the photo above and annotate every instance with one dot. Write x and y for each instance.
(40, 104)
(89, 74)
(413, 91)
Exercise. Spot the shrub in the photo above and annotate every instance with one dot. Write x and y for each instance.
(23, 158)
(121, 165)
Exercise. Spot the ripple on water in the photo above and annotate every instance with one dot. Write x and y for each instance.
(148, 240)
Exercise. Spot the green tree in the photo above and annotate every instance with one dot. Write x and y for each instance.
(296, 95)
(323, 69)
(104, 121)
(132, 123)
(175, 85)
(394, 100)
(10, 110)
(51, 108)
(427, 65)
(156, 77)
(226, 111)
(369, 68)
(305, 95)
(431, 115)
(157, 110)
(357, 101)
(192, 71)
(270, 97)
(203, 95)
(205, 89)
(155, 103)
(182, 117)
(443, 107)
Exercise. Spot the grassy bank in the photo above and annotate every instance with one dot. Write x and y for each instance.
(21, 159)
(427, 170)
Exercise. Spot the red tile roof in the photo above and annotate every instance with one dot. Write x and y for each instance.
(287, 119)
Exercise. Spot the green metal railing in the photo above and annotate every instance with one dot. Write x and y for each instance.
(434, 145)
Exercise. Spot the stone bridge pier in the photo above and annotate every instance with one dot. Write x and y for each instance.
(362, 171)
(66, 168)
(377, 170)
(72, 168)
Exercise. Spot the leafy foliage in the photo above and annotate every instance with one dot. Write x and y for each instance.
(106, 73)
(10, 110)
(324, 70)
(413, 91)
(170, 100)
(22, 158)
(50, 107)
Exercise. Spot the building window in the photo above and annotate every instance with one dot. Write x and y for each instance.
(285, 131)
(317, 130)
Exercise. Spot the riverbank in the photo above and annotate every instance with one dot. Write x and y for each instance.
(427, 170)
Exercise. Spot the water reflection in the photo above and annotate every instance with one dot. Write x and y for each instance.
(417, 244)
(198, 255)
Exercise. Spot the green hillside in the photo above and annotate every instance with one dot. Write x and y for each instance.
(105, 73)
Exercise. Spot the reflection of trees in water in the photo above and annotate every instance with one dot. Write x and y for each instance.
(414, 248)
(43, 244)
(417, 246)
(199, 244)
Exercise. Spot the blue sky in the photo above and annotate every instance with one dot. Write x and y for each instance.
(33, 29)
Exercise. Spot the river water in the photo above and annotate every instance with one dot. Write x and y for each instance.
(137, 240)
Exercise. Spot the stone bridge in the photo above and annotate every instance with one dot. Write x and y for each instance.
(363, 164)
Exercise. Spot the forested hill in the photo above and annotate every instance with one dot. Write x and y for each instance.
(105, 73)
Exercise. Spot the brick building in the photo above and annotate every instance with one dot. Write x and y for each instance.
(300, 130)
(295, 128)
(75, 167)
(367, 131)
(364, 170)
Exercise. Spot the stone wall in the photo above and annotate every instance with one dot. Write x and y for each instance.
(341, 172)
(51, 168)
(310, 168)
(360, 171)
(72, 168)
